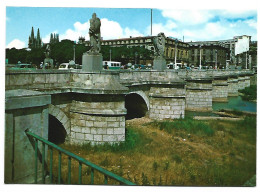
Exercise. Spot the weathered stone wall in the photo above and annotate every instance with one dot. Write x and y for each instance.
(247, 81)
(97, 119)
(167, 103)
(24, 110)
(232, 86)
(241, 82)
(36, 80)
(219, 90)
(199, 95)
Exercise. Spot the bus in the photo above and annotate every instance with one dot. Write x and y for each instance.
(112, 64)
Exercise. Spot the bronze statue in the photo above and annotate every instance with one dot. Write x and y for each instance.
(47, 51)
(94, 34)
(159, 44)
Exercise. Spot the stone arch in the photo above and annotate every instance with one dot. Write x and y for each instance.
(136, 104)
(60, 116)
(143, 95)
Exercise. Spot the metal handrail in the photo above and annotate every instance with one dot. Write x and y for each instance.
(107, 174)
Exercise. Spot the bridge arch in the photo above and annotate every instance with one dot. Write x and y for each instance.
(137, 104)
(61, 117)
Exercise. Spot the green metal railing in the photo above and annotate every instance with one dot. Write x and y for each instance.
(81, 161)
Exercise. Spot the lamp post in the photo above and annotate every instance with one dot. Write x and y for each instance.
(175, 58)
(246, 59)
(200, 57)
(74, 46)
(216, 64)
(110, 53)
(135, 57)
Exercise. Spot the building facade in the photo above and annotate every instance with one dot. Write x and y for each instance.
(173, 47)
(211, 54)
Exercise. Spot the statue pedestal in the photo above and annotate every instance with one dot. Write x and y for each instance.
(48, 60)
(159, 64)
(92, 62)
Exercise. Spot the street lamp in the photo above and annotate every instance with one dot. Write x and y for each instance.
(135, 57)
(216, 64)
(175, 59)
(110, 53)
(200, 57)
(74, 51)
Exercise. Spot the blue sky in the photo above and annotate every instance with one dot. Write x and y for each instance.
(72, 22)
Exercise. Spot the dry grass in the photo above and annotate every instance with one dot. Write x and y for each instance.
(179, 158)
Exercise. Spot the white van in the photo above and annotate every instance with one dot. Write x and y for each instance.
(66, 66)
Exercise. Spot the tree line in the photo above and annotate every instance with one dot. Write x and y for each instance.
(63, 52)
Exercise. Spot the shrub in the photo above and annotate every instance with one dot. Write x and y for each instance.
(249, 93)
(187, 124)
(176, 158)
(155, 165)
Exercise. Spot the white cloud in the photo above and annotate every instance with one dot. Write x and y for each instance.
(251, 23)
(109, 30)
(234, 13)
(188, 17)
(16, 43)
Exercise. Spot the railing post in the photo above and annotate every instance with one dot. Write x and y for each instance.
(105, 182)
(36, 161)
(69, 170)
(59, 168)
(92, 176)
(51, 160)
(43, 159)
(80, 172)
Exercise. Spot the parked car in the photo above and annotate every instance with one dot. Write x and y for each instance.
(66, 66)
(23, 66)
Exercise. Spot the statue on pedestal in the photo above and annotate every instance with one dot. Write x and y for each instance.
(159, 44)
(92, 61)
(159, 62)
(48, 62)
(94, 34)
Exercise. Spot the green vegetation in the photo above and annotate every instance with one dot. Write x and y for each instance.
(249, 93)
(188, 124)
(219, 153)
(62, 52)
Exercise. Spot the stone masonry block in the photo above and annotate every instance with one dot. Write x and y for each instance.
(80, 136)
(97, 137)
(101, 131)
(113, 124)
(110, 131)
(89, 123)
(119, 131)
(89, 137)
(85, 130)
(100, 124)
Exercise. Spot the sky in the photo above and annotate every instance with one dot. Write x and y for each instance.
(71, 22)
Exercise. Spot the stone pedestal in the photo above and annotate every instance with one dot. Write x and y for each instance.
(92, 62)
(159, 64)
(48, 60)
(24, 109)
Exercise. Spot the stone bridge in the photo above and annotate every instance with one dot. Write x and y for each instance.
(92, 107)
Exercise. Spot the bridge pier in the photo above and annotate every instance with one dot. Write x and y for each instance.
(167, 102)
(97, 119)
(24, 109)
(233, 85)
(199, 94)
(220, 89)
(241, 81)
